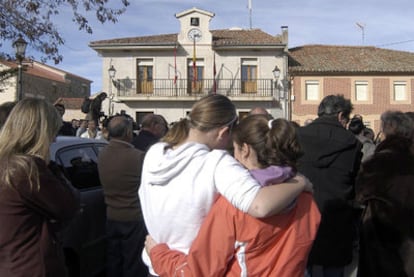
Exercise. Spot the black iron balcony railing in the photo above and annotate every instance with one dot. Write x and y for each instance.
(186, 87)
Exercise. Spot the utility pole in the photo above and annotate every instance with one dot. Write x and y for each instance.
(249, 6)
(362, 27)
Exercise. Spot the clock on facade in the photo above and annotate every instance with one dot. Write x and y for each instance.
(194, 34)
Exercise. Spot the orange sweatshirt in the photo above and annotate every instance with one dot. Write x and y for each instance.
(232, 243)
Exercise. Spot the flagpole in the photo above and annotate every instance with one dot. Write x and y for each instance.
(175, 65)
(194, 64)
(214, 74)
(249, 6)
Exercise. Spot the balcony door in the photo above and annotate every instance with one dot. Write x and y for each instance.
(144, 76)
(195, 76)
(249, 76)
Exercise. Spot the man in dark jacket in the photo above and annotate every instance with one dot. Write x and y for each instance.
(153, 127)
(95, 107)
(331, 161)
(67, 128)
(120, 166)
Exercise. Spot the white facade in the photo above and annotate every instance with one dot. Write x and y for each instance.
(242, 60)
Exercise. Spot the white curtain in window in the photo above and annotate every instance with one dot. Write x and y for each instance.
(400, 91)
(312, 90)
(361, 91)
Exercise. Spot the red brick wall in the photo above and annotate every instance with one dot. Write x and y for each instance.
(381, 98)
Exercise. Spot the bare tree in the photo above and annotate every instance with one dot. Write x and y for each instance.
(33, 20)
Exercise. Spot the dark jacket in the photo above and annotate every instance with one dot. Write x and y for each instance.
(67, 129)
(331, 160)
(385, 186)
(120, 167)
(95, 109)
(144, 140)
(29, 220)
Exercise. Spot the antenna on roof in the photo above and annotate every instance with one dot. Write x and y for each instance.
(362, 27)
(249, 6)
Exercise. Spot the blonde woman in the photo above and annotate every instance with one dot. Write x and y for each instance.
(33, 200)
(183, 175)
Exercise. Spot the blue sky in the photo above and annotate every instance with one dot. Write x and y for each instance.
(387, 24)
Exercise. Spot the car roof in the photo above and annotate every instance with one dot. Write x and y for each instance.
(66, 141)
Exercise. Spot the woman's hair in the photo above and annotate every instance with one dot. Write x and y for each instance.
(210, 112)
(397, 123)
(30, 128)
(274, 141)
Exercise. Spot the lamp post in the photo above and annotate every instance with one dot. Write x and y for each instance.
(111, 72)
(276, 75)
(19, 46)
(280, 90)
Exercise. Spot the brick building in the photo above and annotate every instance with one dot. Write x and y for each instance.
(375, 80)
(46, 82)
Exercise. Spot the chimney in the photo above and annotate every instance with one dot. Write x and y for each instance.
(285, 35)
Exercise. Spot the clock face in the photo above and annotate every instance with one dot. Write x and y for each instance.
(194, 34)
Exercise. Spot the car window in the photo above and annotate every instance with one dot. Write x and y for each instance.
(80, 165)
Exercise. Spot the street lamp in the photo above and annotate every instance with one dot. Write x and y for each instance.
(111, 72)
(276, 73)
(20, 48)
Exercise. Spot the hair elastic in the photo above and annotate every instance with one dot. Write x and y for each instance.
(269, 123)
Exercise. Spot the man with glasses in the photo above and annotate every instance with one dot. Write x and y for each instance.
(331, 160)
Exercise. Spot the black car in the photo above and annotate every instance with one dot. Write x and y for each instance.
(84, 240)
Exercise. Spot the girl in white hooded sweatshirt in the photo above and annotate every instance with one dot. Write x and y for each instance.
(183, 175)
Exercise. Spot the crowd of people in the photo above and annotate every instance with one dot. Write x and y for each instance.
(215, 195)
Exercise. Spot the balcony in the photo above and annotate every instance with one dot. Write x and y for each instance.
(184, 89)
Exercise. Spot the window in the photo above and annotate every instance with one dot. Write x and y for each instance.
(249, 75)
(198, 67)
(144, 76)
(361, 91)
(80, 163)
(195, 75)
(312, 90)
(249, 69)
(400, 91)
(85, 89)
(54, 88)
(194, 21)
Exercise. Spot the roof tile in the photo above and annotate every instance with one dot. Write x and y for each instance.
(350, 59)
(220, 38)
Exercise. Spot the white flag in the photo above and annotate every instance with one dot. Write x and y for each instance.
(249, 4)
